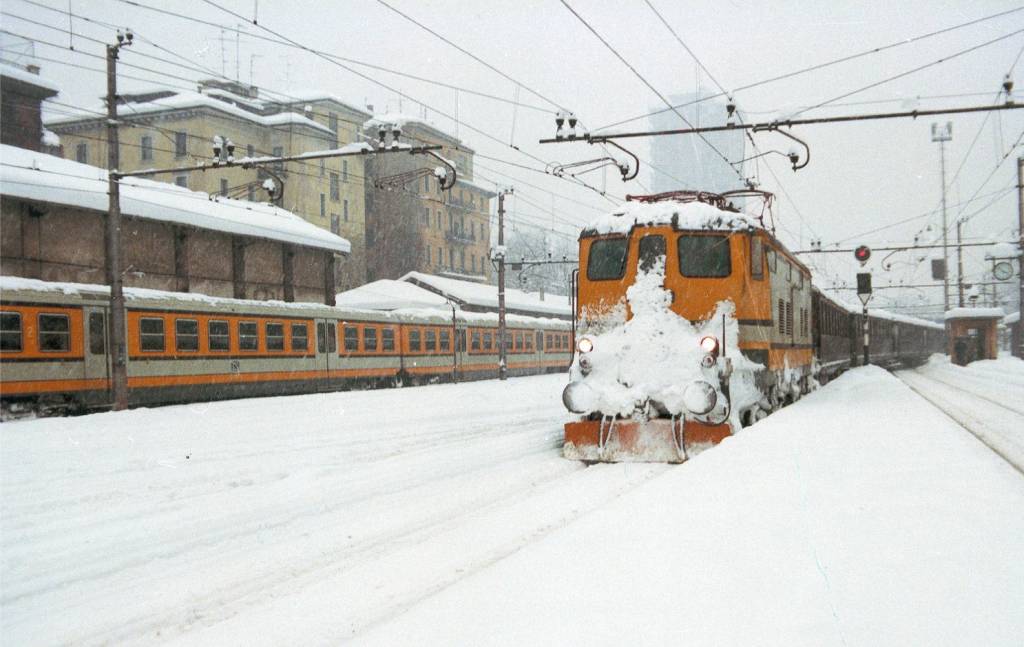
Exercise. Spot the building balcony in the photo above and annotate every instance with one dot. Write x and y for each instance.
(459, 237)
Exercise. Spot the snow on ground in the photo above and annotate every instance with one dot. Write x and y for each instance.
(987, 396)
(445, 515)
(859, 516)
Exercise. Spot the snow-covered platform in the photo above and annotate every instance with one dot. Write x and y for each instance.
(445, 515)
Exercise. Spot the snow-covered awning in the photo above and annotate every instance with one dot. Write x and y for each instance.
(969, 313)
(486, 296)
(389, 294)
(36, 176)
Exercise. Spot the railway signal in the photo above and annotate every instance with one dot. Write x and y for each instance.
(862, 254)
(864, 294)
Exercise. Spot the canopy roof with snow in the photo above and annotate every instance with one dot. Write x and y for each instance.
(389, 294)
(36, 176)
(484, 296)
(684, 215)
(974, 313)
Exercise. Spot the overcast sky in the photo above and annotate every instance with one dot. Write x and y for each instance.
(862, 176)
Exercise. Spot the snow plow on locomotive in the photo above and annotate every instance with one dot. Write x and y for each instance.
(693, 320)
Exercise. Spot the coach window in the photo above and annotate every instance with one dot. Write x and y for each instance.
(487, 341)
(220, 338)
(332, 338)
(10, 332)
(321, 337)
(300, 337)
(540, 341)
(705, 257)
(445, 340)
(772, 260)
(528, 342)
(248, 335)
(475, 340)
(151, 334)
(351, 338)
(387, 340)
(186, 335)
(607, 259)
(414, 339)
(789, 271)
(275, 335)
(97, 335)
(370, 339)
(430, 343)
(756, 257)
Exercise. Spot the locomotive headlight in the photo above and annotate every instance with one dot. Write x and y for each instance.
(709, 344)
(585, 345)
(700, 397)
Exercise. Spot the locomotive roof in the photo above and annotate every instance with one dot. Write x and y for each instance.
(681, 215)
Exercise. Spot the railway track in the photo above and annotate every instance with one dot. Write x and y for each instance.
(1001, 430)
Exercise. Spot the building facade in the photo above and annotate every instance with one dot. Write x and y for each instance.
(415, 225)
(164, 129)
(22, 92)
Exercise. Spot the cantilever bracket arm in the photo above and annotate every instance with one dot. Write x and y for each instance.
(774, 127)
(449, 179)
(626, 177)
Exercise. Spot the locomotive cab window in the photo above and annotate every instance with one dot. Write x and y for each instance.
(248, 336)
(186, 335)
(220, 338)
(300, 337)
(275, 335)
(705, 257)
(651, 249)
(151, 334)
(607, 259)
(756, 257)
(10, 332)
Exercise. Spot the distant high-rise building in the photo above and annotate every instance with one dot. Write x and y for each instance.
(687, 162)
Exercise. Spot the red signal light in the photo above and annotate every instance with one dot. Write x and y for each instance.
(862, 254)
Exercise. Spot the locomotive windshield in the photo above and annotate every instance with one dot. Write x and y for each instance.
(651, 249)
(607, 259)
(704, 256)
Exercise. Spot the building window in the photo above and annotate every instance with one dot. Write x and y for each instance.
(439, 219)
(344, 210)
(323, 205)
(426, 184)
(335, 225)
(182, 181)
(440, 258)
(351, 338)
(332, 122)
(275, 335)
(344, 170)
(250, 150)
(186, 335)
(451, 258)
(426, 216)
(248, 336)
(335, 188)
(224, 187)
(300, 337)
(180, 144)
(472, 263)
(147, 148)
(428, 254)
(151, 334)
(82, 153)
(323, 167)
(220, 339)
(462, 260)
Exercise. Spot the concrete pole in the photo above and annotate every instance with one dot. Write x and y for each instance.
(502, 355)
(945, 228)
(116, 324)
(1019, 350)
(959, 264)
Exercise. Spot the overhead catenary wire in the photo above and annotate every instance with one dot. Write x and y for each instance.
(819, 66)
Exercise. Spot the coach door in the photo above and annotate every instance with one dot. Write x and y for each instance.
(326, 347)
(97, 360)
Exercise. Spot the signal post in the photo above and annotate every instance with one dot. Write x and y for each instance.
(862, 254)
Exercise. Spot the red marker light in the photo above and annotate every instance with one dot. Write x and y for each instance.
(862, 254)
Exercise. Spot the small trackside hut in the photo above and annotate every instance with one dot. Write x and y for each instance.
(972, 334)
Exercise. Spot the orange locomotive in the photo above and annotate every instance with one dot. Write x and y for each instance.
(693, 320)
